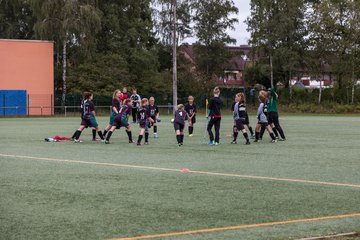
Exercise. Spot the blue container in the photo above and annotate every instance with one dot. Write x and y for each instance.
(13, 102)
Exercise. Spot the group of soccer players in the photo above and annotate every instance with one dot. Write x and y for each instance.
(146, 113)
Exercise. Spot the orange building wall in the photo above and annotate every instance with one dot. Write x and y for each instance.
(29, 65)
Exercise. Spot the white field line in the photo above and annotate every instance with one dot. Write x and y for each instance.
(180, 171)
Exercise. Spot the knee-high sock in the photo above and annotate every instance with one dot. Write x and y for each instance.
(235, 135)
(246, 136)
(104, 133)
(191, 130)
(101, 135)
(146, 137)
(108, 136)
(140, 138)
(272, 135)
(262, 131)
(257, 135)
(155, 129)
(251, 131)
(77, 135)
(182, 138)
(94, 134)
(74, 135)
(129, 135)
(178, 138)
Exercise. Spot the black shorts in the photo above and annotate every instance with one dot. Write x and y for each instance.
(153, 118)
(246, 121)
(178, 126)
(240, 124)
(90, 122)
(118, 123)
(145, 124)
(263, 124)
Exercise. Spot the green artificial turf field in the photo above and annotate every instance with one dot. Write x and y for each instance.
(121, 190)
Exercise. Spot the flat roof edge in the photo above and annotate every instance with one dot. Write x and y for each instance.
(24, 40)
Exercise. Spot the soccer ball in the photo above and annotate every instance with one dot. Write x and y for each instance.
(158, 120)
(172, 120)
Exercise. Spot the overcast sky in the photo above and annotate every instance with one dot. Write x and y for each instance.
(240, 34)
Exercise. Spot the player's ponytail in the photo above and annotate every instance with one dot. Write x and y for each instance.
(87, 95)
(242, 98)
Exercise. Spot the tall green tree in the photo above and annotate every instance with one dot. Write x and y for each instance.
(212, 19)
(278, 33)
(16, 19)
(68, 23)
(335, 29)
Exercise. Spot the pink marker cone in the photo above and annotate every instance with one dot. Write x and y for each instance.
(185, 170)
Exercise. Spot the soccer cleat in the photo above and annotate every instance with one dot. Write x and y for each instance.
(72, 139)
(252, 137)
(77, 141)
(131, 141)
(102, 140)
(156, 135)
(273, 141)
(256, 140)
(95, 139)
(211, 143)
(146, 143)
(107, 142)
(234, 142)
(179, 144)
(138, 144)
(191, 135)
(247, 142)
(217, 144)
(282, 139)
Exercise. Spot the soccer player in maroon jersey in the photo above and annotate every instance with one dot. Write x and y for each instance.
(145, 121)
(121, 120)
(87, 117)
(115, 108)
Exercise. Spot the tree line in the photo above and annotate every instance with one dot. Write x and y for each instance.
(102, 45)
(296, 37)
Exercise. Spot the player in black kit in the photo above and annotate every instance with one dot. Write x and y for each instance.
(154, 114)
(145, 121)
(191, 111)
(179, 123)
(240, 117)
(87, 117)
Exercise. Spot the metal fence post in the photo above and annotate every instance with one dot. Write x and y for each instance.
(41, 110)
(65, 110)
(17, 110)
